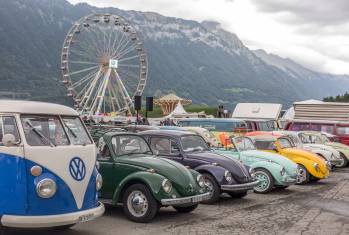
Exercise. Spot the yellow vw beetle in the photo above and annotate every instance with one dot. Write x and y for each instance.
(312, 167)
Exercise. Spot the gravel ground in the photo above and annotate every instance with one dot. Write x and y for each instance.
(317, 208)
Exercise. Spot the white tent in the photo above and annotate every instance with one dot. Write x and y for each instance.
(289, 114)
(179, 112)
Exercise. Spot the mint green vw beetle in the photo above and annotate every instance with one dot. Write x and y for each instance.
(272, 170)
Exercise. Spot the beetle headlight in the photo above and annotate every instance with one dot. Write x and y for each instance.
(252, 172)
(166, 185)
(227, 176)
(201, 181)
(99, 182)
(46, 188)
(283, 171)
(316, 166)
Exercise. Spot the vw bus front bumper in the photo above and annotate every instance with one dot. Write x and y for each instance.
(46, 221)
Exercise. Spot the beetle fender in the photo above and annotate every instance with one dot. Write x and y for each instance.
(216, 171)
(152, 180)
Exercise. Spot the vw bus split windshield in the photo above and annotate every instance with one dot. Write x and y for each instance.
(44, 130)
(76, 131)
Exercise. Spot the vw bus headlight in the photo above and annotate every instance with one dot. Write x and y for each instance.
(201, 181)
(99, 182)
(166, 185)
(316, 166)
(283, 171)
(46, 188)
(227, 176)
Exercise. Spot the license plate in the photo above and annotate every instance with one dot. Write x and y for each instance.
(197, 199)
(85, 218)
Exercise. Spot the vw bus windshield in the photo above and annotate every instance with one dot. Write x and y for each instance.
(76, 131)
(243, 144)
(129, 144)
(193, 143)
(44, 130)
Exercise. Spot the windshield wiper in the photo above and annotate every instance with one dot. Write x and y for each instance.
(70, 130)
(40, 134)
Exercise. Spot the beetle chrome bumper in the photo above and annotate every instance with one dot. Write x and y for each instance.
(289, 181)
(240, 187)
(185, 200)
(46, 221)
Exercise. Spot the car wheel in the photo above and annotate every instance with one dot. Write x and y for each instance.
(185, 209)
(237, 195)
(139, 204)
(212, 187)
(266, 181)
(303, 175)
(344, 161)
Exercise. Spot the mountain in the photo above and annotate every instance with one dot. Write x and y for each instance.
(200, 61)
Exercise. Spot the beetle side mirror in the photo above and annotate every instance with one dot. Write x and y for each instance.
(9, 140)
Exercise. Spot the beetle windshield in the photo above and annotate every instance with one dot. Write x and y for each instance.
(130, 144)
(285, 143)
(193, 143)
(243, 144)
(43, 130)
(76, 131)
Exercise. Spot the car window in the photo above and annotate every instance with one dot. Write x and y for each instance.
(8, 126)
(129, 144)
(76, 131)
(244, 144)
(285, 143)
(342, 130)
(193, 143)
(103, 150)
(298, 126)
(264, 144)
(44, 130)
(164, 146)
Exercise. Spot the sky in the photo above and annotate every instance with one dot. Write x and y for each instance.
(314, 33)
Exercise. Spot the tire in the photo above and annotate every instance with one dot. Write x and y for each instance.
(186, 209)
(345, 161)
(213, 187)
(281, 186)
(266, 181)
(132, 195)
(305, 175)
(237, 195)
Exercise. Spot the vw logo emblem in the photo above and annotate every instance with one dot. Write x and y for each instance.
(77, 169)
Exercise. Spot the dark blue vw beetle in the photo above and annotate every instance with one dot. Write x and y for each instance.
(221, 174)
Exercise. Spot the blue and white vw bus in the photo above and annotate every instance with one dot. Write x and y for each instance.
(48, 173)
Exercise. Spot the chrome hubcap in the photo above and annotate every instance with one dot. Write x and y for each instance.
(264, 181)
(137, 204)
(302, 176)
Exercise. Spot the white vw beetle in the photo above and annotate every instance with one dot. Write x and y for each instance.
(48, 173)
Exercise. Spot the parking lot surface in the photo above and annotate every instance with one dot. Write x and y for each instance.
(318, 208)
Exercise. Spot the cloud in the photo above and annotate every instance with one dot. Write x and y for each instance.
(314, 33)
(322, 12)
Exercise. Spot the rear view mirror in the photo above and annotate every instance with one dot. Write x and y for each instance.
(9, 140)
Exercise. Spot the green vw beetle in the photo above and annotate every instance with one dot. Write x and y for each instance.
(143, 182)
(272, 170)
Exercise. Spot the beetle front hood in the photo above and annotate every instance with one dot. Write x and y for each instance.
(236, 168)
(178, 174)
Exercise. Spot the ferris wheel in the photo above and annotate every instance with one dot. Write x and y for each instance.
(104, 64)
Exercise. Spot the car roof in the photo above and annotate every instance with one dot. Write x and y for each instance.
(35, 107)
(212, 119)
(175, 133)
